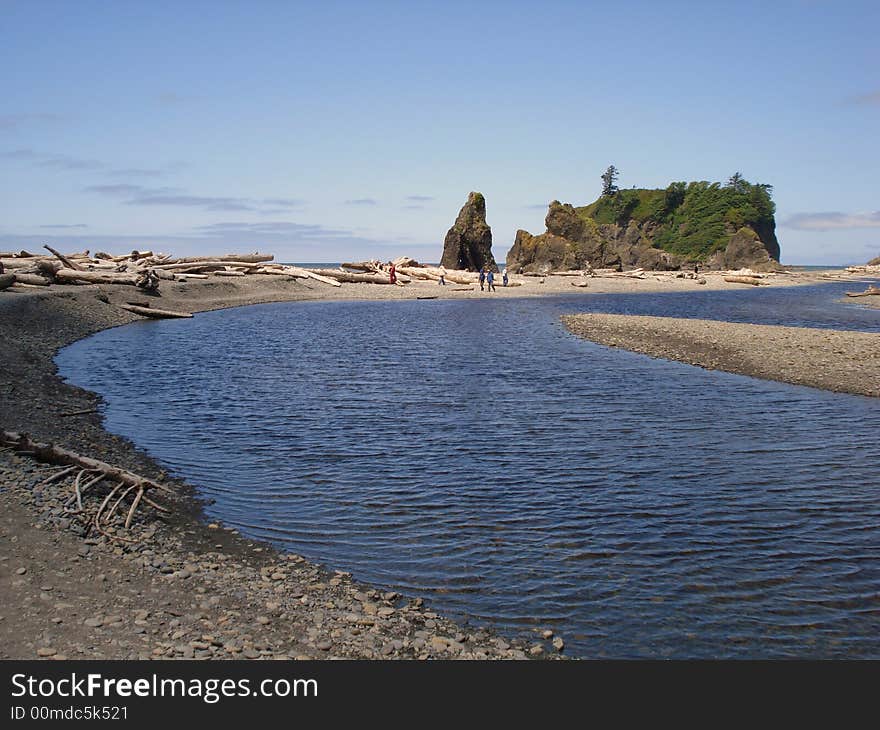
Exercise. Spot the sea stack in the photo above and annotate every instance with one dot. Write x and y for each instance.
(468, 243)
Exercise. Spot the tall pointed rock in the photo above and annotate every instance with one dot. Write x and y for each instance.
(468, 243)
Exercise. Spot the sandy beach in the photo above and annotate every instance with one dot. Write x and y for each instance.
(188, 589)
(844, 362)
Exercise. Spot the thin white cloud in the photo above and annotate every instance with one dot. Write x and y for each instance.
(66, 162)
(362, 201)
(175, 197)
(272, 228)
(127, 189)
(19, 154)
(10, 122)
(193, 201)
(285, 202)
(870, 99)
(832, 221)
(61, 162)
(137, 172)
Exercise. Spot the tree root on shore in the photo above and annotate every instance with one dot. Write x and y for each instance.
(90, 473)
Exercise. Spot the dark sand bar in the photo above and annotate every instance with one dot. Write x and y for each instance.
(844, 362)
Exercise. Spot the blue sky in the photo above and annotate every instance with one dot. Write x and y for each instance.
(336, 130)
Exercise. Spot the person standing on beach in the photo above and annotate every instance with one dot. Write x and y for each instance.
(490, 280)
(442, 272)
(504, 278)
(482, 279)
(392, 273)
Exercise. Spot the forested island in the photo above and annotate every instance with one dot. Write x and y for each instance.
(716, 225)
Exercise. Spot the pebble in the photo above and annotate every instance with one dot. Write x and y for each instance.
(46, 651)
(21, 571)
(324, 645)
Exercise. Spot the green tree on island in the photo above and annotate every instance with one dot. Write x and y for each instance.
(608, 181)
(737, 182)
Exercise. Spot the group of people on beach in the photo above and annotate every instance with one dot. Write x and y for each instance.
(487, 279)
(487, 276)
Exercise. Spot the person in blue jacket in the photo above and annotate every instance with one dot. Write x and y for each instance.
(482, 279)
(490, 280)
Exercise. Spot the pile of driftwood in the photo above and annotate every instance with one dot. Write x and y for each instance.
(145, 270)
(142, 269)
(406, 270)
(584, 275)
(870, 291)
(865, 269)
(100, 492)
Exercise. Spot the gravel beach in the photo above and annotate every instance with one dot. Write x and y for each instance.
(845, 362)
(188, 589)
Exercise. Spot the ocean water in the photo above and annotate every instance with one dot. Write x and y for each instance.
(477, 454)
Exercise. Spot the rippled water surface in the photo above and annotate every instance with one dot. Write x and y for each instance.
(476, 453)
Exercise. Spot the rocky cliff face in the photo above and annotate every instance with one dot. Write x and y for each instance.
(575, 240)
(746, 250)
(468, 243)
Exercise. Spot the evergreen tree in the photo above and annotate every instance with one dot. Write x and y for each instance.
(608, 181)
(737, 182)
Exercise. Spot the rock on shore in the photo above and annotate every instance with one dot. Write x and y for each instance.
(468, 243)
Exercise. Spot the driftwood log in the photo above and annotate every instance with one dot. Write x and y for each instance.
(89, 474)
(73, 276)
(32, 279)
(754, 281)
(201, 267)
(433, 274)
(63, 259)
(145, 280)
(319, 277)
(155, 313)
(248, 258)
(350, 278)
